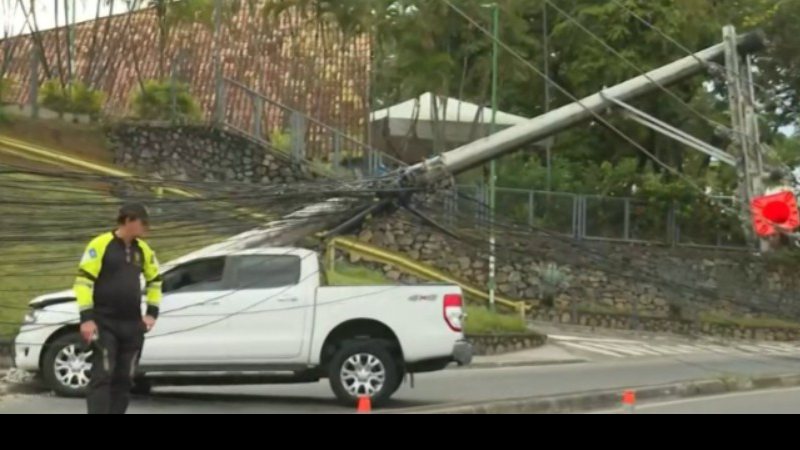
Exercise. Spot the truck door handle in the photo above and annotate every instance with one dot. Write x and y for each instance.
(287, 300)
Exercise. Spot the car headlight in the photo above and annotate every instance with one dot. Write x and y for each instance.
(30, 317)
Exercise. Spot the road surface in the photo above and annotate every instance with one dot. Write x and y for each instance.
(450, 386)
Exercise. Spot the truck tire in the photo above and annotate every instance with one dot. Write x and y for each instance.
(364, 368)
(142, 387)
(65, 366)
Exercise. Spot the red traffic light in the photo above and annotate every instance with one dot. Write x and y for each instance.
(775, 212)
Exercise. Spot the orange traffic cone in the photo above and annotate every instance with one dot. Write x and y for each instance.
(364, 405)
(629, 401)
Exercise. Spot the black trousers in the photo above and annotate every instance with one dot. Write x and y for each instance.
(114, 358)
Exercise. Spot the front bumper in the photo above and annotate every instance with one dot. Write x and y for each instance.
(462, 353)
(28, 345)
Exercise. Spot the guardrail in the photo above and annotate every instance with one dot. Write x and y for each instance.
(414, 268)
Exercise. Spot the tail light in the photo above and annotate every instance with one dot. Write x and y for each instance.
(454, 311)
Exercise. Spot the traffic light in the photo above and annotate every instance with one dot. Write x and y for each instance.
(775, 212)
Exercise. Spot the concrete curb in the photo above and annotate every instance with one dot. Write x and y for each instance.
(611, 398)
(507, 364)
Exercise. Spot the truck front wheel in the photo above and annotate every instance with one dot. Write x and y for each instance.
(363, 368)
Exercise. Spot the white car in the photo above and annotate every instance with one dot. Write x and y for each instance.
(264, 316)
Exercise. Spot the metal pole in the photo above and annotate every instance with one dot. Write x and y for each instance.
(493, 163)
(752, 127)
(546, 43)
(337, 151)
(531, 215)
(745, 128)
(672, 225)
(258, 116)
(219, 103)
(627, 224)
(737, 120)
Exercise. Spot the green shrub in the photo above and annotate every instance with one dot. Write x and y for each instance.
(165, 100)
(53, 96)
(86, 100)
(553, 281)
(76, 98)
(281, 140)
(483, 321)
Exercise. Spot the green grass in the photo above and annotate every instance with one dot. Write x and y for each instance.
(45, 228)
(483, 321)
(86, 141)
(30, 266)
(346, 274)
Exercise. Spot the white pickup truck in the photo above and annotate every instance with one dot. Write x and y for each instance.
(264, 316)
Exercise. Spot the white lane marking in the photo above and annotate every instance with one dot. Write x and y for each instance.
(683, 349)
(780, 348)
(662, 349)
(590, 348)
(757, 349)
(715, 349)
(630, 350)
(591, 339)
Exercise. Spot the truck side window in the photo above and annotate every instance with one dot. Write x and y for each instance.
(203, 275)
(266, 271)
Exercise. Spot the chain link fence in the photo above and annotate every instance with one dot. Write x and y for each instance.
(602, 218)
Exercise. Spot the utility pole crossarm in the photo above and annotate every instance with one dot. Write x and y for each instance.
(672, 132)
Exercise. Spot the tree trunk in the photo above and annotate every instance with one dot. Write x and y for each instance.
(92, 55)
(36, 36)
(70, 30)
(112, 55)
(161, 13)
(57, 35)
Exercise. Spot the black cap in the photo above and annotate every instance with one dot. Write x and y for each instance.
(133, 211)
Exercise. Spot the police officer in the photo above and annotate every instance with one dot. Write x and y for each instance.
(109, 294)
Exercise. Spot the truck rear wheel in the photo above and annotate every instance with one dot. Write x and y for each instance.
(363, 368)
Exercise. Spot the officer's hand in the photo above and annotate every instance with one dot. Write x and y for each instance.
(149, 322)
(88, 331)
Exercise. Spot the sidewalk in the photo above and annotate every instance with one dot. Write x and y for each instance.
(547, 355)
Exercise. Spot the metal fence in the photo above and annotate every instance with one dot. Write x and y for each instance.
(602, 218)
(300, 136)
